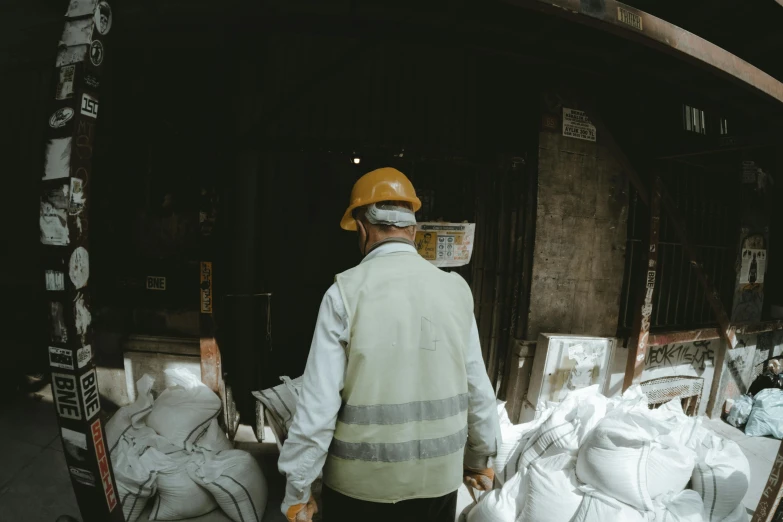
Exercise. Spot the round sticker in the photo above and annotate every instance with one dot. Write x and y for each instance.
(96, 52)
(79, 267)
(60, 117)
(103, 18)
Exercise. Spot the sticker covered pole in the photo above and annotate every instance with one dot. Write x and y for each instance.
(64, 235)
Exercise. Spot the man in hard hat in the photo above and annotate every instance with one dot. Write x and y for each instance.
(396, 406)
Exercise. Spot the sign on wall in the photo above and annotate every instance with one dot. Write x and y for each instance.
(445, 244)
(754, 263)
(577, 125)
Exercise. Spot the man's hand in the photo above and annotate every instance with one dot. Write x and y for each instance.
(302, 512)
(480, 479)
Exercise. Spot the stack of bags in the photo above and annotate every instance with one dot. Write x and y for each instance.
(593, 459)
(173, 450)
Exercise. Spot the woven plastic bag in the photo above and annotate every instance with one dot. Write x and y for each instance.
(766, 417)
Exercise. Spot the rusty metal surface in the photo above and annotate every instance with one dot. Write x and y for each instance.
(639, 341)
(649, 30)
(768, 505)
(665, 389)
(684, 336)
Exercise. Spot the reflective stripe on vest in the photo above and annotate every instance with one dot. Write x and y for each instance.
(402, 413)
(399, 451)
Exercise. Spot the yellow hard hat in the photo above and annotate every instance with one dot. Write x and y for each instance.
(386, 184)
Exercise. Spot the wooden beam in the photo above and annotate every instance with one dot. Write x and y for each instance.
(639, 341)
(770, 498)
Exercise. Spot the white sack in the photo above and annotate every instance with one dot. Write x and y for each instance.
(621, 459)
(280, 401)
(766, 417)
(565, 429)
(236, 481)
(511, 439)
(131, 417)
(183, 415)
(597, 507)
(503, 418)
(685, 506)
(135, 471)
(738, 515)
(740, 411)
(721, 478)
(214, 439)
(178, 495)
(499, 505)
(553, 493)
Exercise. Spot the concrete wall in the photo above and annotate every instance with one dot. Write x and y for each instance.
(579, 252)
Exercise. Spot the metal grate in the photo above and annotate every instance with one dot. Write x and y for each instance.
(664, 389)
(704, 199)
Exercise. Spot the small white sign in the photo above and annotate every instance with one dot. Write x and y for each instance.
(60, 117)
(83, 356)
(91, 402)
(66, 396)
(577, 125)
(60, 358)
(156, 283)
(103, 18)
(58, 159)
(89, 106)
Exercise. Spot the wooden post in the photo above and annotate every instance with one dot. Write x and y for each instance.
(64, 233)
(769, 503)
(638, 342)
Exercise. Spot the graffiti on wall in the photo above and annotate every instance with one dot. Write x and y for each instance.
(695, 354)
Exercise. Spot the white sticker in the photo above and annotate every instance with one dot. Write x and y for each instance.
(83, 356)
(61, 117)
(651, 279)
(71, 55)
(96, 53)
(53, 224)
(58, 159)
(76, 204)
(754, 265)
(89, 106)
(91, 402)
(78, 8)
(66, 396)
(60, 358)
(65, 83)
(82, 315)
(79, 267)
(76, 32)
(55, 281)
(576, 352)
(103, 18)
(577, 125)
(75, 444)
(156, 283)
(82, 476)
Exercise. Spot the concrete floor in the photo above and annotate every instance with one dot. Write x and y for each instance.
(35, 486)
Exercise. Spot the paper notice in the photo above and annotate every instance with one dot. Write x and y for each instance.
(445, 244)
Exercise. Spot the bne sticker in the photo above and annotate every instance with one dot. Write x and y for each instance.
(89, 106)
(66, 396)
(89, 386)
(103, 465)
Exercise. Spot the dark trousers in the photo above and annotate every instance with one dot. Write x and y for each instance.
(340, 508)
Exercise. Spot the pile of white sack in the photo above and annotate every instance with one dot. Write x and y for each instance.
(172, 451)
(593, 459)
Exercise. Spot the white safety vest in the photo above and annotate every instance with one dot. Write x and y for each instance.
(402, 428)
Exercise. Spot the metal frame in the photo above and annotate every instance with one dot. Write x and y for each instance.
(65, 235)
(639, 26)
(664, 389)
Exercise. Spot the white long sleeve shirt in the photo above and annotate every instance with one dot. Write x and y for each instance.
(304, 452)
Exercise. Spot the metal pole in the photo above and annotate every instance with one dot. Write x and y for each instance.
(769, 503)
(639, 340)
(64, 233)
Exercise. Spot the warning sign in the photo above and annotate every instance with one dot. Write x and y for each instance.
(577, 125)
(445, 244)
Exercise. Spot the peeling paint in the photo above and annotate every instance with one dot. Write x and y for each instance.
(58, 159)
(77, 32)
(57, 330)
(83, 317)
(69, 55)
(79, 267)
(78, 8)
(55, 281)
